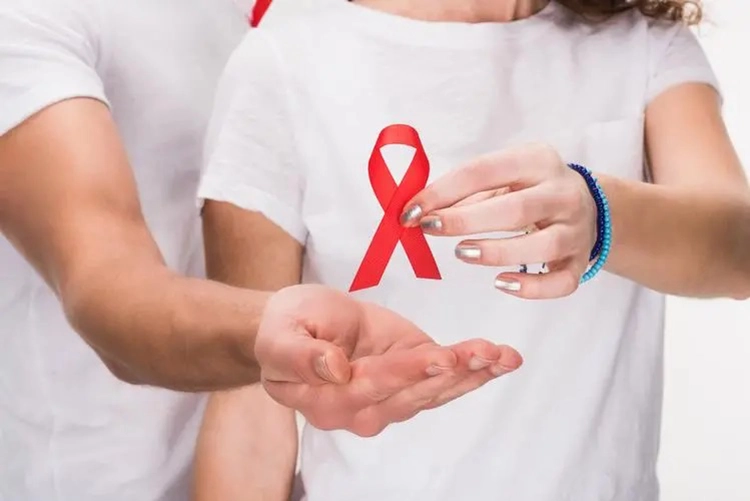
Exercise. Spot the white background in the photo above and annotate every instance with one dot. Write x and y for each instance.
(706, 428)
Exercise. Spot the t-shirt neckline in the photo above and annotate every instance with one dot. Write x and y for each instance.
(443, 33)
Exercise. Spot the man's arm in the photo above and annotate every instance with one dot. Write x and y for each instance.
(68, 203)
(247, 448)
(689, 232)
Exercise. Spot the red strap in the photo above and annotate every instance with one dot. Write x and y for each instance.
(259, 10)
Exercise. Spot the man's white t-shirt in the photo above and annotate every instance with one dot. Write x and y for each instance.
(298, 115)
(68, 429)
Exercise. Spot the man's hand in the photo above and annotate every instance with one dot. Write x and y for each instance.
(360, 367)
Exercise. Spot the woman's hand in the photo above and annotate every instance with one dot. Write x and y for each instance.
(529, 187)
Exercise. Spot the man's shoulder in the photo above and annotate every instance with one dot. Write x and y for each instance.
(69, 22)
(72, 12)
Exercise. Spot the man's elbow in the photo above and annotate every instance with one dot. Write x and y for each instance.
(741, 237)
(80, 312)
(743, 290)
(120, 371)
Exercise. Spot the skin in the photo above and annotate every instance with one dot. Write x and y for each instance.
(235, 460)
(68, 203)
(698, 188)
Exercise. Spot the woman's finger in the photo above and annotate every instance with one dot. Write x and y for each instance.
(481, 197)
(511, 212)
(524, 166)
(562, 280)
(550, 244)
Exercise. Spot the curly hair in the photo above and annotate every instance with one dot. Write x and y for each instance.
(687, 11)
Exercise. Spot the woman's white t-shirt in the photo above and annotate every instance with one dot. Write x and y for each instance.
(297, 117)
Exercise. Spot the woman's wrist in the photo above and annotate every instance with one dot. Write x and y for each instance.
(603, 243)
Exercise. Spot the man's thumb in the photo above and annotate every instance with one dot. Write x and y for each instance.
(302, 359)
(330, 363)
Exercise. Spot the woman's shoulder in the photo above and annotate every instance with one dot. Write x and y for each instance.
(627, 29)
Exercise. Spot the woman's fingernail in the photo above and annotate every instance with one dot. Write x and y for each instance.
(436, 370)
(411, 215)
(468, 252)
(507, 285)
(477, 363)
(431, 223)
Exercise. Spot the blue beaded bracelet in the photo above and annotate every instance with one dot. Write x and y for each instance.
(600, 252)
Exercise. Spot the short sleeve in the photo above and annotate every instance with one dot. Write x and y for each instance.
(676, 58)
(48, 53)
(250, 152)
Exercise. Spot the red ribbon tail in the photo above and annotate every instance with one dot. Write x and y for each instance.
(378, 254)
(420, 256)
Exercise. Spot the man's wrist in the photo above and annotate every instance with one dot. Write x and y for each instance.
(217, 324)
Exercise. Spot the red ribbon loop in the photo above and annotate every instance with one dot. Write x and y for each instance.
(259, 10)
(393, 197)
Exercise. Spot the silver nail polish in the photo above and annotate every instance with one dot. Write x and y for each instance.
(468, 252)
(508, 285)
(411, 215)
(431, 223)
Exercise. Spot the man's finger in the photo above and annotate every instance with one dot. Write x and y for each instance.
(404, 405)
(466, 384)
(508, 360)
(302, 359)
(475, 355)
(376, 378)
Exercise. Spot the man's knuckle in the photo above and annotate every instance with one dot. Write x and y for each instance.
(374, 393)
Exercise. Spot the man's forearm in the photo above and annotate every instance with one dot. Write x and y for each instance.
(680, 242)
(158, 328)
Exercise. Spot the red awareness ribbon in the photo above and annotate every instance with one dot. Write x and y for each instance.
(393, 197)
(259, 10)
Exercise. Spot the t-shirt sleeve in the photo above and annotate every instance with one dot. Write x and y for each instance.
(48, 53)
(251, 158)
(676, 58)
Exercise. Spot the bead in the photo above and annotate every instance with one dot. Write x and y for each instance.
(603, 243)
